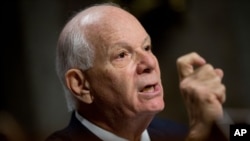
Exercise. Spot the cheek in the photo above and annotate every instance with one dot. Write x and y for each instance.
(109, 82)
(113, 84)
(120, 80)
(121, 85)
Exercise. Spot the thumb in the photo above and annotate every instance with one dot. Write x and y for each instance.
(187, 63)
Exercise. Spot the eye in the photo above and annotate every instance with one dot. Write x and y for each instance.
(121, 55)
(147, 48)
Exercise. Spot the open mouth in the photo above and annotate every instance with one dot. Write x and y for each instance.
(148, 89)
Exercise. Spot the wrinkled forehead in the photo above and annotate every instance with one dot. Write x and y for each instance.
(107, 24)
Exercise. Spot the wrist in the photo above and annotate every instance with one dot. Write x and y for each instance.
(199, 132)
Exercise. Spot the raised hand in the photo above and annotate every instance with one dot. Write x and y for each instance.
(203, 92)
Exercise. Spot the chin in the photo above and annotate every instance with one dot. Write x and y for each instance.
(155, 106)
(159, 107)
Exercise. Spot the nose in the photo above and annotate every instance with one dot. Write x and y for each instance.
(146, 62)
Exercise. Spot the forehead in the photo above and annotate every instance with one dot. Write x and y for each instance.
(109, 25)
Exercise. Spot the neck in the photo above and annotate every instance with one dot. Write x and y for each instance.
(128, 127)
(132, 128)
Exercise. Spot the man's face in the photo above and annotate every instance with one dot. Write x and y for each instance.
(125, 77)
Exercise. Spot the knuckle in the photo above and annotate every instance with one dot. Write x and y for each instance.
(208, 67)
(211, 98)
(183, 84)
(223, 89)
(182, 59)
(194, 53)
(179, 60)
(217, 79)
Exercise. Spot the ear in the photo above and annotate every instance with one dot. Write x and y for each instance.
(79, 86)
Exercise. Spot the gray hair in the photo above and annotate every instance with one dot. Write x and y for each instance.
(73, 51)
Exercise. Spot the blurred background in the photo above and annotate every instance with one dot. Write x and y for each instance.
(32, 103)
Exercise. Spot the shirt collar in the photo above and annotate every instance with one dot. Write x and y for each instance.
(104, 134)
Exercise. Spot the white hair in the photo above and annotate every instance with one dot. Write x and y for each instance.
(74, 50)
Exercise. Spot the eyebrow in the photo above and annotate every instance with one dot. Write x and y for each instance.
(145, 40)
(124, 44)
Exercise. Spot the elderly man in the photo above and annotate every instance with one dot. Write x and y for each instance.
(113, 82)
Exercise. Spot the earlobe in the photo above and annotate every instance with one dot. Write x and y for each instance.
(87, 96)
(78, 85)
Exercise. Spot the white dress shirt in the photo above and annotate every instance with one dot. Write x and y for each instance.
(104, 134)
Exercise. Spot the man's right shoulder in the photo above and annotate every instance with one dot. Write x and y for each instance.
(75, 131)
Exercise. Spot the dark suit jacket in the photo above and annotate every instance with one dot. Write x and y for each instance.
(159, 130)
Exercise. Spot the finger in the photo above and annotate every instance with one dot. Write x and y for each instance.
(186, 64)
(219, 72)
(221, 94)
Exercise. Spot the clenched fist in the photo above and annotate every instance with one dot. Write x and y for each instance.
(203, 92)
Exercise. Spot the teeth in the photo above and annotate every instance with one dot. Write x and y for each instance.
(148, 89)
